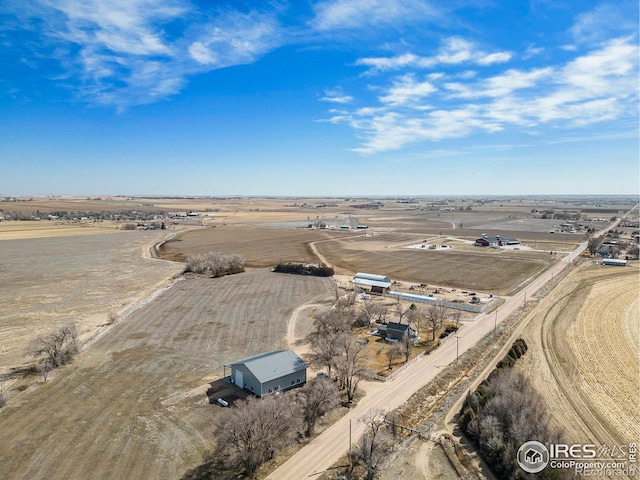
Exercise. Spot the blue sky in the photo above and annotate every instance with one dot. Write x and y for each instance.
(323, 97)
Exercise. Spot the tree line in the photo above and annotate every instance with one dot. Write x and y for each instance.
(256, 429)
(301, 269)
(505, 412)
(215, 264)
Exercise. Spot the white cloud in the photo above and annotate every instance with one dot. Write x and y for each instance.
(342, 14)
(203, 54)
(599, 86)
(501, 85)
(235, 39)
(130, 52)
(119, 26)
(406, 89)
(455, 50)
(336, 96)
(491, 58)
(606, 20)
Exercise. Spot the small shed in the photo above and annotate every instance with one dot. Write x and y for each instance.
(378, 283)
(268, 372)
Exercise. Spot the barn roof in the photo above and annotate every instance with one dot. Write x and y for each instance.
(372, 280)
(268, 366)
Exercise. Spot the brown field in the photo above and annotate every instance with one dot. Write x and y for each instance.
(15, 230)
(583, 355)
(46, 282)
(135, 404)
(482, 269)
(260, 247)
(486, 270)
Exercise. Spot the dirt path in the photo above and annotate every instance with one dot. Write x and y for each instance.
(295, 336)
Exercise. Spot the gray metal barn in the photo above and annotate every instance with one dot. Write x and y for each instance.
(378, 283)
(268, 372)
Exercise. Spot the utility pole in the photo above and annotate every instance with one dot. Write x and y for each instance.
(457, 338)
(350, 460)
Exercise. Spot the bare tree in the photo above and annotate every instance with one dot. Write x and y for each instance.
(415, 316)
(455, 317)
(436, 314)
(593, 245)
(406, 346)
(55, 349)
(398, 310)
(374, 445)
(370, 309)
(254, 431)
(350, 363)
(317, 397)
(393, 351)
(112, 316)
(3, 399)
(215, 264)
(336, 320)
(433, 320)
(324, 349)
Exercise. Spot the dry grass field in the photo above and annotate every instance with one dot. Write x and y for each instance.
(47, 282)
(135, 404)
(476, 268)
(14, 230)
(260, 247)
(583, 354)
(485, 270)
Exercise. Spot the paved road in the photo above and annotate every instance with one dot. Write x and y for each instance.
(326, 449)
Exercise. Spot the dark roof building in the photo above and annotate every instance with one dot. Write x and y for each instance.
(487, 240)
(268, 372)
(397, 331)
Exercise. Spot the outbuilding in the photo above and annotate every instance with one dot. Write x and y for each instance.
(268, 372)
(618, 262)
(378, 283)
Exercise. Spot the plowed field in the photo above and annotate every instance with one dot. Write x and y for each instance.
(583, 355)
(260, 247)
(135, 405)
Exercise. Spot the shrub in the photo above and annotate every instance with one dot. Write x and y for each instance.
(301, 269)
(215, 264)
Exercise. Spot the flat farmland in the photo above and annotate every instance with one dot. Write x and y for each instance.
(583, 354)
(14, 230)
(135, 405)
(488, 271)
(260, 247)
(47, 282)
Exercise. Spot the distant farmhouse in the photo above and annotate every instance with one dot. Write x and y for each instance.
(378, 283)
(487, 241)
(268, 372)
